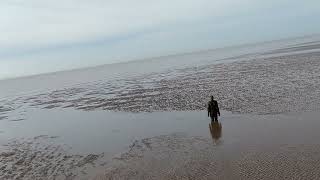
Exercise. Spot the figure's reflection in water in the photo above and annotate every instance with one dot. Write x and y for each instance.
(216, 131)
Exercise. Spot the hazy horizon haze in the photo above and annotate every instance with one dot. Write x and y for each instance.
(48, 36)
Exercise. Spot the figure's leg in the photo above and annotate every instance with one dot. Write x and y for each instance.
(216, 117)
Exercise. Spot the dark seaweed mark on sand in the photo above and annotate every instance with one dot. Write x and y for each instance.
(3, 117)
(17, 120)
(5, 109)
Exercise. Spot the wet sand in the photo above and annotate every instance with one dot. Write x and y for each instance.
(164, 145)
(288, 83)
(250, 147)
(154, 126)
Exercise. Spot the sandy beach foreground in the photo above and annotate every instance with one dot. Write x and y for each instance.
(251, 147)
(154, 126)
(176, 145)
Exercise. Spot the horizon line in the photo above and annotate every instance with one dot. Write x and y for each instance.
(161, 56)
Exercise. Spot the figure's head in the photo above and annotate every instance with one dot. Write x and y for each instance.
(212, 98)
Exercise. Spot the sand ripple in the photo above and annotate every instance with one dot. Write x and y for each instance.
(297, 162)
(262, 86)
(181, 157)
(42, 158)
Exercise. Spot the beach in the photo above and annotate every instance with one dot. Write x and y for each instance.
(154, 125)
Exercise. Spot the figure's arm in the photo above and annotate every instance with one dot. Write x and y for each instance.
(208, 110)
(218, 109)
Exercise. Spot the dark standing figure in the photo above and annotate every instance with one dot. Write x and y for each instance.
(213, 109)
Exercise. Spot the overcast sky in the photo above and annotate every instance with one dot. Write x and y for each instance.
(38, 36)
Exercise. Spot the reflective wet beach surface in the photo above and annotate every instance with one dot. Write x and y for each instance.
(153, 125)
(68, 143)
(242, 147)
(103, 131)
